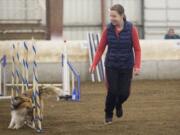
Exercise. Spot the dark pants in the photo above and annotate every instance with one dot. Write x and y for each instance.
(118, 82)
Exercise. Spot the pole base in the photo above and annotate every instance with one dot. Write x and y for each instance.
(66, 97)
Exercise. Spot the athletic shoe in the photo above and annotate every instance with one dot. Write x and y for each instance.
(108, 121)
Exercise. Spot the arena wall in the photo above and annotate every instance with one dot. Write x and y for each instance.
(160, 58)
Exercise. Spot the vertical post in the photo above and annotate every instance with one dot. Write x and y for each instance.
(79, 87)
(48, 36)
(16, 70)
(36, 99)
(54, 16)
(23, 71)
(93, 52)
(74, 90)
(66, 80)
(3, 91)
(103, 21)
(26, 66)
(73, 86)
(90, 55)
(4, 78)
(34, 90)
(13, 71)
(142, 19)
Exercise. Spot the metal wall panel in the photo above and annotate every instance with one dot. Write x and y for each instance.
(81, 16)
(24, 11)
(159, 16)
(132, 9)
(78, 33)
(82, 12)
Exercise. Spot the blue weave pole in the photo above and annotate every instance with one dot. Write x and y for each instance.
(37, 114)
(15, 73)
(3, 63)
(25, 46)
(3, 60)
(25, 64)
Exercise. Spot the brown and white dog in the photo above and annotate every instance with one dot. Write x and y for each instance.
(22, 107)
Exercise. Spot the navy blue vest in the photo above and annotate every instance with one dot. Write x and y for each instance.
(120, 49)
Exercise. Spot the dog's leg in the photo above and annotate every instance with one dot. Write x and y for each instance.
(29, 124)
(42, 109)
(12, 123)
(29, 119)
(20, 118)
(19, 123)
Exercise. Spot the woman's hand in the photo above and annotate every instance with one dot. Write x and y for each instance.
(92, 69)
(136, 71)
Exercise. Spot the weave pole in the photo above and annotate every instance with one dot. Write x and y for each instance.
(20, 69)
(3, 77)
(15, 79)
(26, 67)
(37, 118)
(13, 70)
(16, 75)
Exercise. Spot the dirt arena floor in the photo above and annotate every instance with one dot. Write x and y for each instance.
(152, 109)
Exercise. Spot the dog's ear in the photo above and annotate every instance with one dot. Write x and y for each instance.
(15, 102)
(17, 99)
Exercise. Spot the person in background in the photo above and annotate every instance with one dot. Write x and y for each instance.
(171, 34)
(123, 58)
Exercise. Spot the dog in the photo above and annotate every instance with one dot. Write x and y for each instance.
(21, 109)
(22, 106)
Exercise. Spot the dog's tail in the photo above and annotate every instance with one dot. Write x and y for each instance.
(47, 89)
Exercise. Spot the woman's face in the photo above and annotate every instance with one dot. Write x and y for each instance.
(171, 32)
(115, 18)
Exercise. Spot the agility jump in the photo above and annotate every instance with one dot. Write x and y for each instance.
(70, 78)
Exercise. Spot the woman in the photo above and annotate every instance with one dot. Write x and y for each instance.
(171, 34)
(123, 57)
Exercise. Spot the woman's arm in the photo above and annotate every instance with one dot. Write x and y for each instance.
(100, 49)
(137, 48)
